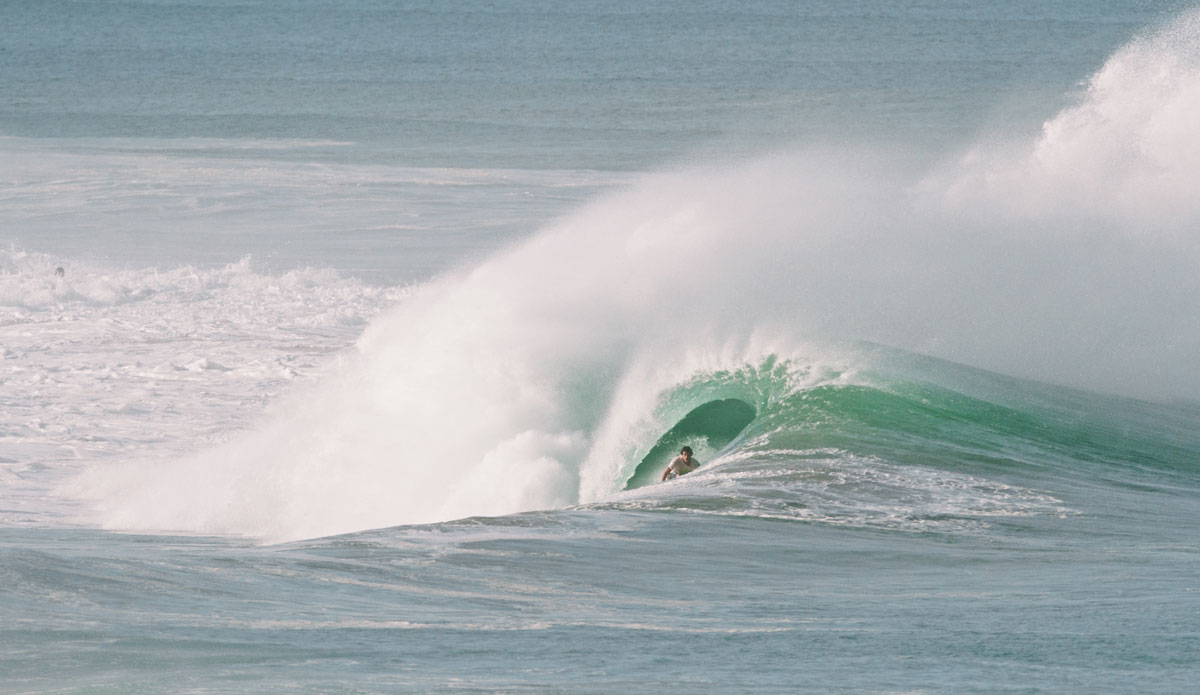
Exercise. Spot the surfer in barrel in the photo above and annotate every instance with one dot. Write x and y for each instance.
(683, 463)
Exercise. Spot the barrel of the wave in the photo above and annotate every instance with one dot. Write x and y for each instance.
(710, 427)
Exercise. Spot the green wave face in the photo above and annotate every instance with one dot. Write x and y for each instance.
(906, 443)
(918, 414)
(707, 428)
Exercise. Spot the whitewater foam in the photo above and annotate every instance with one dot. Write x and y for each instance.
(838, 488)
(106, 364)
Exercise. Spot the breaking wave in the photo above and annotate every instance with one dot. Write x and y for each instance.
(543, 376)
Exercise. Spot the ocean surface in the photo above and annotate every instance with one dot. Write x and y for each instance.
(342, 345)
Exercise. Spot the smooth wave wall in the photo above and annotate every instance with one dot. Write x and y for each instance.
(515, 384)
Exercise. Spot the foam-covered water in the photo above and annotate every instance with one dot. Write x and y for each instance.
(355, 354)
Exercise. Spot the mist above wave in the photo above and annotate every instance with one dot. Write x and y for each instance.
(1125, 153)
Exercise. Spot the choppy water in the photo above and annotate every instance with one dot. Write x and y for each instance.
(376, 320)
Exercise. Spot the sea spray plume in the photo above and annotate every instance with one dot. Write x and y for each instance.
(1127, 151)
(1097, 224)
(480, 393)
(1133, 144)
(497, 389)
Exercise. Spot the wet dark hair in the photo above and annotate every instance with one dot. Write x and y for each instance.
(686, 449)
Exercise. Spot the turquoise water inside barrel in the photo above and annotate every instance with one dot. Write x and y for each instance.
(710, 427)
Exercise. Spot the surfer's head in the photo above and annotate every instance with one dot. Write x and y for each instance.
(686, 452)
